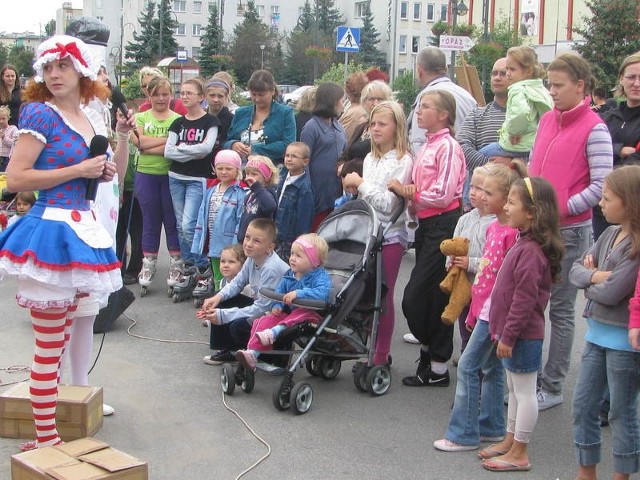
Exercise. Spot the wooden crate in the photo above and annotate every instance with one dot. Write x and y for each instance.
(78, 415)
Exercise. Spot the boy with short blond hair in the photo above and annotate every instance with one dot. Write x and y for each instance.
(294, 216)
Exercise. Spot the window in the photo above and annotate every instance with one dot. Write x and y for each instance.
(275, 11)
(417, 10)
(195, 30)
(181, 29)
(361, 9)
(402, 48)
(431, 12)
(197, 7)
(195, 52)
(415, 44)
(404, 10)
(179, 5)
(211, 5)
(401, 72)
(443, 12)
(260, 9)
(100, 18)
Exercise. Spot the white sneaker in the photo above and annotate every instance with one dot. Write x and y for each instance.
(448, 446)
(548, 400)
(107, 410)
(409, 338)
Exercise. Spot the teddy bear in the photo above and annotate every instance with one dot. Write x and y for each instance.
(456, 282)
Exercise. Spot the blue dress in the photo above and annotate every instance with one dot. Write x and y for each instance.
(59, 242)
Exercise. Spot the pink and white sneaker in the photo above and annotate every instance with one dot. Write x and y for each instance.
(266, 337)
(247, 359)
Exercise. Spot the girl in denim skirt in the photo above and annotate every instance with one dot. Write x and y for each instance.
(516, 314)
(607, 273)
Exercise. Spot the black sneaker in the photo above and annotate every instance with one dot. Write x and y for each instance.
(222, 356)
(426, 378)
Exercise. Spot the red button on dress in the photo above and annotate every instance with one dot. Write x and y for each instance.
(75, 215)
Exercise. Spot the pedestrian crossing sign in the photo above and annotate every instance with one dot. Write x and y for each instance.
(348, 39)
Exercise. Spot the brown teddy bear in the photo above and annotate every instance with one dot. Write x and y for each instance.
(456, 282)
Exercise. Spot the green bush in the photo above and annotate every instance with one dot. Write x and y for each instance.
(406, 90)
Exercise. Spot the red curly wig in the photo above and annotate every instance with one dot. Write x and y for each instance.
(89, 89)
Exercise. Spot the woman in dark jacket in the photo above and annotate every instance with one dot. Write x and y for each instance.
(10, 92)
(623, 123)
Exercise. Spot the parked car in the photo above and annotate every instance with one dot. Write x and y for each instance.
(293, 97)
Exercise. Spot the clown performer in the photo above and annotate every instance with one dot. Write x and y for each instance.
(58, 251)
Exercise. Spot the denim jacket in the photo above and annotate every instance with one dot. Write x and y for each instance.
(295, 210)
(226, 225)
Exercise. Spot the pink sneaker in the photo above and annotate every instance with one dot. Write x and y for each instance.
(266, 337)
(246, 359)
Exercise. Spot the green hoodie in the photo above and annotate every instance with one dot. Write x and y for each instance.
(527, 101)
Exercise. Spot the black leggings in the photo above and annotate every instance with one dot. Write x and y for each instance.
(423, 301)
(235, 335)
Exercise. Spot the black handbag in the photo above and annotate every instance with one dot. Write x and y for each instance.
(119, 301)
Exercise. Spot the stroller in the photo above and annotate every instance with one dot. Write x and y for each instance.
(350, 321)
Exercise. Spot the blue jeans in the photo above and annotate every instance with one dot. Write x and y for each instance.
(467, 422)
(562, 311)
(495, 150)
(187, 196)
(619, 370)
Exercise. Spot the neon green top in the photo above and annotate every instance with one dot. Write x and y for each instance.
(152, 127)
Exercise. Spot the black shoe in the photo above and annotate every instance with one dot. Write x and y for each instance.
(426, 378)
(129, 279)
(220, 357)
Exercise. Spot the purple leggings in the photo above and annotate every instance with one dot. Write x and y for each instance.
(152, 192)
(391, 259)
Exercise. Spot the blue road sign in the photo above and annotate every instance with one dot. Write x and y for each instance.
(348, 39)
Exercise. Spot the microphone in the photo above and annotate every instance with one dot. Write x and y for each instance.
(99, 145)
(118, 100)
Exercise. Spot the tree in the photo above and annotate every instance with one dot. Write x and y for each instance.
(249, 35)
(211, 42)
(406, 90)
(335, 73)
(50, 28)
(142, 51)
(329, 17)
(611, 32)
(487, 50)
(4, 54)
(370, 54)
(22, 59)
(165, 25)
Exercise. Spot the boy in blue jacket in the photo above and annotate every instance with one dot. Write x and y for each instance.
(295, 198)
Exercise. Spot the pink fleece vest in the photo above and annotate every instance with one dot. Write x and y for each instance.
(560, 155)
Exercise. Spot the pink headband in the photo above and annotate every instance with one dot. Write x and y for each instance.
(310, 251)
(228, 157)
(263, 168)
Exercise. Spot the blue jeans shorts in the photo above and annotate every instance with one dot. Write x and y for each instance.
(525, 358)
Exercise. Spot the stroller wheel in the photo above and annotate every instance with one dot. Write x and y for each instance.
(302, 398)
(360, 371)
(170, 292)
(248, 380)
(311, 364)
(329, 368)
(227, 379)
(198, 302)
(282, 395)
(378, 380)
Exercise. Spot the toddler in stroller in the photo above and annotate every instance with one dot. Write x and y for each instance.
(306, 279)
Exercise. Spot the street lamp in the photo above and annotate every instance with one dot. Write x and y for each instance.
(457, 8)
(262, 57)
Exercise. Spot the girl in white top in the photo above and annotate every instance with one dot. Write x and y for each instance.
(388, 162)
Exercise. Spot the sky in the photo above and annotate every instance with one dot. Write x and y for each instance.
(27, 15)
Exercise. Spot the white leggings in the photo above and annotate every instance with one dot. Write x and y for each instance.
(522, 413)
(78, 352)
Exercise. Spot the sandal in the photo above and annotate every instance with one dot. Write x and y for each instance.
(490, 452)
(496, 465)
(28, 446)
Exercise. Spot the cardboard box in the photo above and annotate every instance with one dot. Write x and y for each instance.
(83, 459)
(78, 415)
